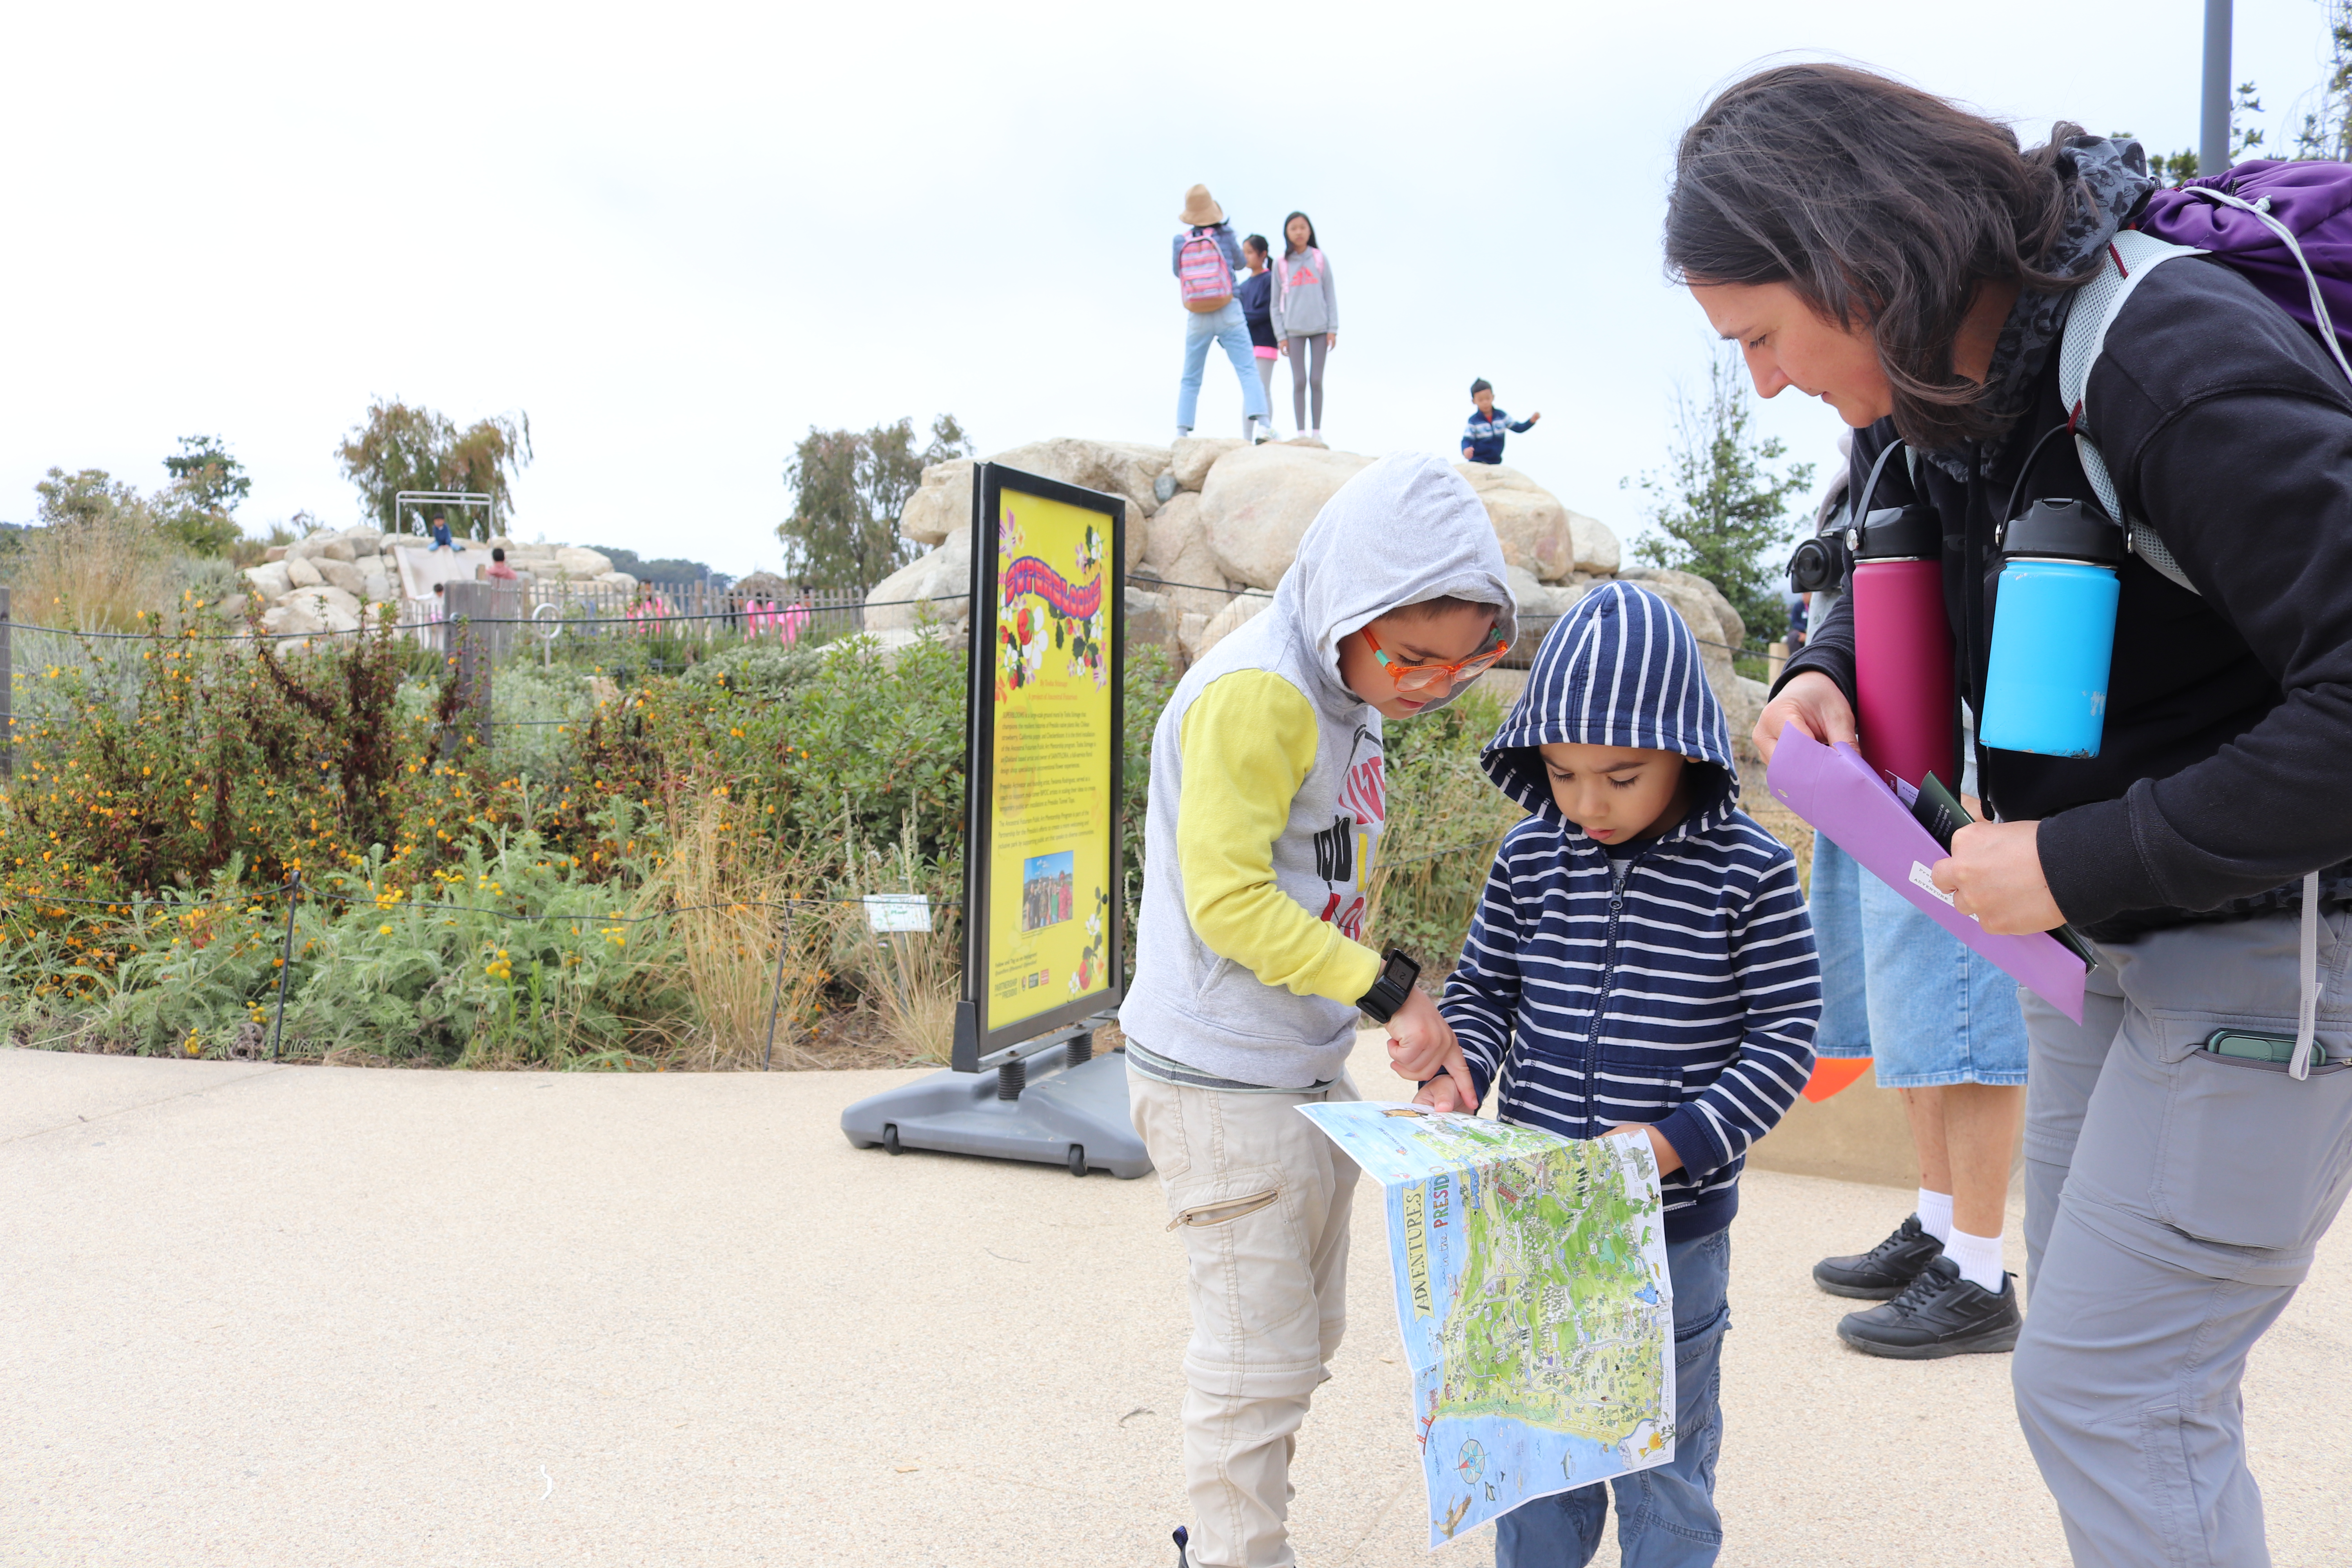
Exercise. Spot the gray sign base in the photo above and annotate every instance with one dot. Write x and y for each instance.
(1064, 1115)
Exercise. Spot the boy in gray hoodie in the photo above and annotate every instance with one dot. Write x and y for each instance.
(1266, 803)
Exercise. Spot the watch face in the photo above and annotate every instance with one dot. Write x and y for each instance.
(1402, 972)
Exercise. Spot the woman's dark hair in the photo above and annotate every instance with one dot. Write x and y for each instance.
(1481, 384)
(1882, 206)
(1290, 249)
(1258, 242)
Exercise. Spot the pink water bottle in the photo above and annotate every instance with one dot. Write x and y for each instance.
(1905, 700)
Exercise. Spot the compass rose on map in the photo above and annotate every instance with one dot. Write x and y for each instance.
(1473, 1462)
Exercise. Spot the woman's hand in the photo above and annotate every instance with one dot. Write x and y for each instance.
(1331, 342)
(1814, 703)
(1995, 874)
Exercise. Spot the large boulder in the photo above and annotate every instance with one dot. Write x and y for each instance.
(336, 547)
(377, 580)
(1151, 620)
(1225, 622)
(1595, 548)
(1181, 557)
(938, 584)
(1174, 529)
(1190, 458)
(1257, 503)
(1116, 467)
(1729, 628)
(1530, 522)
(940, 505)
(269, 580)
(573, 561)
(365, 541)
(302, 572)
(341, 574)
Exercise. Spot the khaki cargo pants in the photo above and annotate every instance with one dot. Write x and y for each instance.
(1262, 1201)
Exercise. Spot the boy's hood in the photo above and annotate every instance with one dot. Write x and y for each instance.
(1404, 529)
(1621, 669)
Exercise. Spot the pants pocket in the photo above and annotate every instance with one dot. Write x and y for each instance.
(2252, 1156)
(1224, 1211)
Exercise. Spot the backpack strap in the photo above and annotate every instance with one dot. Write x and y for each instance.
(2130, 256)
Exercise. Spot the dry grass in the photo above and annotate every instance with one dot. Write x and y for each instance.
(747, 959)
(911, 979)
(1445, 820)
(99, 575)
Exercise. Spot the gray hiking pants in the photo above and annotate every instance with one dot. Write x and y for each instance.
(2173, 1201)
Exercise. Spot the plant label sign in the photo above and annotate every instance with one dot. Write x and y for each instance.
(1042, 865)
(899, 912)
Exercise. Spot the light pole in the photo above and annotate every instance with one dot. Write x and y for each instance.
(2213, 122)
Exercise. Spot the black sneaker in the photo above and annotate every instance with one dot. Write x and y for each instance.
(1880, 1274)
(1939, 1314)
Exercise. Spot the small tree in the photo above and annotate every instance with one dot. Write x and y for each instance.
(848, 487)
(207, 484)
(399, 449)
(1719, 510)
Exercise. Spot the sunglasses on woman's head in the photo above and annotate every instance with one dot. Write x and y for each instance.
(1411, 678)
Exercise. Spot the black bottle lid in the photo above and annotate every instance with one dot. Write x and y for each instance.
(1899, 534)
(2065, 530)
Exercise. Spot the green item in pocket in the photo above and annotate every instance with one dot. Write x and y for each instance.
(2254, 1046)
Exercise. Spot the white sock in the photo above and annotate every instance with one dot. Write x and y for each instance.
(1979, 1257)
(1936, 1214)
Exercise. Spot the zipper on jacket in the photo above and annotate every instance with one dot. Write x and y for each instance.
(1617, 886)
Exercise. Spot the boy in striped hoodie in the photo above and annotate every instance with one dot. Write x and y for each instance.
(1641, 955)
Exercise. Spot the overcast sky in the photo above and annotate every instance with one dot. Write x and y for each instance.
(679, 235)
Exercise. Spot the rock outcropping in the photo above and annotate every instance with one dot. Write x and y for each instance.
(326, 582)
(1214, 524)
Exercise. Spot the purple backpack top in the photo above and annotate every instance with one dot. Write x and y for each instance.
(2286, 227)
(2268, 218)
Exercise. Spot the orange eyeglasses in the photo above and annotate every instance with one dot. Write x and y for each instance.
(1426, 677)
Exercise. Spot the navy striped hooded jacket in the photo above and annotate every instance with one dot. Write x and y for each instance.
(1689, 996)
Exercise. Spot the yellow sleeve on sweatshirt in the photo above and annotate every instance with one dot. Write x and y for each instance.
(1249, 742)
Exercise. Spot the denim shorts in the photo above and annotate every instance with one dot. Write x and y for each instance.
(1898, 988)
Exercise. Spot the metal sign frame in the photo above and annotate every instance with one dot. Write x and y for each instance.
(467, 499)
(978, 1049)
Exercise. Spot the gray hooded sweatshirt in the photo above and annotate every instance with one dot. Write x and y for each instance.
(1269, 794)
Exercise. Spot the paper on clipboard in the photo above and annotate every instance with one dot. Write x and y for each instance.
(1844, 799)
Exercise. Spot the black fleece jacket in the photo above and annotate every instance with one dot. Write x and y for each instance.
(2223, 776)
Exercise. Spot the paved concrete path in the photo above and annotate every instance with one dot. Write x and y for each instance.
(312, 1316)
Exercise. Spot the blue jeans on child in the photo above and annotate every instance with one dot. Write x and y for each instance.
(1665, 1516)
(1229, 331)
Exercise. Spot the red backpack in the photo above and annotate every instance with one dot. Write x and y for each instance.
(1203, 274)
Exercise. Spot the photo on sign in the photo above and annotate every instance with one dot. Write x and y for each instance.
(1048, 893)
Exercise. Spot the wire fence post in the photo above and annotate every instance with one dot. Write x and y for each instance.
(465, 606)
(7, 686)
(776, 996)
(285, 962)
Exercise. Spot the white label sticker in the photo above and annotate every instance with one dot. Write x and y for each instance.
(899, 912)
(1922, 878)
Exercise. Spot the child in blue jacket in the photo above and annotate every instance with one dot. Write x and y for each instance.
(1482, 438)
(1642, 955)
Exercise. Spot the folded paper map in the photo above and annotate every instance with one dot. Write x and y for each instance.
(1845, 800)
(1533, 1299)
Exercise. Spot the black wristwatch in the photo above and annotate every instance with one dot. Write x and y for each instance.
(1398, 972)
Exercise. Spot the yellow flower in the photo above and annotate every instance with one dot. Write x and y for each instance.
(384, 930)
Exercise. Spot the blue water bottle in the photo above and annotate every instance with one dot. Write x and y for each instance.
(2054, 626)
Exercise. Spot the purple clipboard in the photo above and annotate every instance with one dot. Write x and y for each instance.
(1843, 797)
